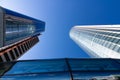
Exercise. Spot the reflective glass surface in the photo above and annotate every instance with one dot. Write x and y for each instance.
(19, 26)
(98, 41)
(16, 30)
(59, 69)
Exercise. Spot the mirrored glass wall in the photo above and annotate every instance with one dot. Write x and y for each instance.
(18, 28)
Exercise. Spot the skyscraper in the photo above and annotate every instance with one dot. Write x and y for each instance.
(18, 33)
(98, 40)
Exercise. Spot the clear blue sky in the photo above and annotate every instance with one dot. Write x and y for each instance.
(60, 16)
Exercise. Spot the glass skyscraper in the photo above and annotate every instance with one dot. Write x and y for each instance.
(98, 40)
(61, 69)
(18, 33)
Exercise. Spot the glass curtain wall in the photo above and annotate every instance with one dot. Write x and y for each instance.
(15, 26)
(98, 41)
(17, 29)
(60, 69)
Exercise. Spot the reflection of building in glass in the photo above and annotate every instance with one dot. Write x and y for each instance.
(99, 41)
(18, 33)
(61, 69)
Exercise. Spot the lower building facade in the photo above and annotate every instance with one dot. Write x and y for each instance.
(13, 52)
(61, 69)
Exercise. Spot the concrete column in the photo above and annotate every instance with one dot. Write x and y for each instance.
(3, 58)
(21, 49)
(1, 28)
(18, 51)
(14, 54)
(9, 55)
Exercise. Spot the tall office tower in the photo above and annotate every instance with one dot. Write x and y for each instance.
(61, 69)
(18, 33)
(98, 40)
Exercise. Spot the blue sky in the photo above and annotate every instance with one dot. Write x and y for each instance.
(60, 16)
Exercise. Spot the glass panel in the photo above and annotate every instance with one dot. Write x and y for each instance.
(18, 28)
(85, 69)
(35, 76)
(93, 65)
(92, 75)
(57, 69)
(37, 70)
(38, 66)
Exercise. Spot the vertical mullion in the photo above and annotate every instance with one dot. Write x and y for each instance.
(69, 69)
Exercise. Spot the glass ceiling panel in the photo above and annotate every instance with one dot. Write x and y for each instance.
(94, 64)
(59, 69)
(40, 66)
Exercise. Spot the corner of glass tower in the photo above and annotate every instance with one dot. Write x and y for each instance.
(18, 33)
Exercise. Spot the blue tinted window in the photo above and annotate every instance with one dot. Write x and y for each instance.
(59, 69)
(38, 66)
(19, 27)
(94, 64)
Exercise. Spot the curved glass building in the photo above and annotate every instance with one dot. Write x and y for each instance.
(18, 33)
(98, 40)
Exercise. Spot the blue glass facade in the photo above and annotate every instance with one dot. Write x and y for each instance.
(60, 69)
(18, 26)
(18, 33)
